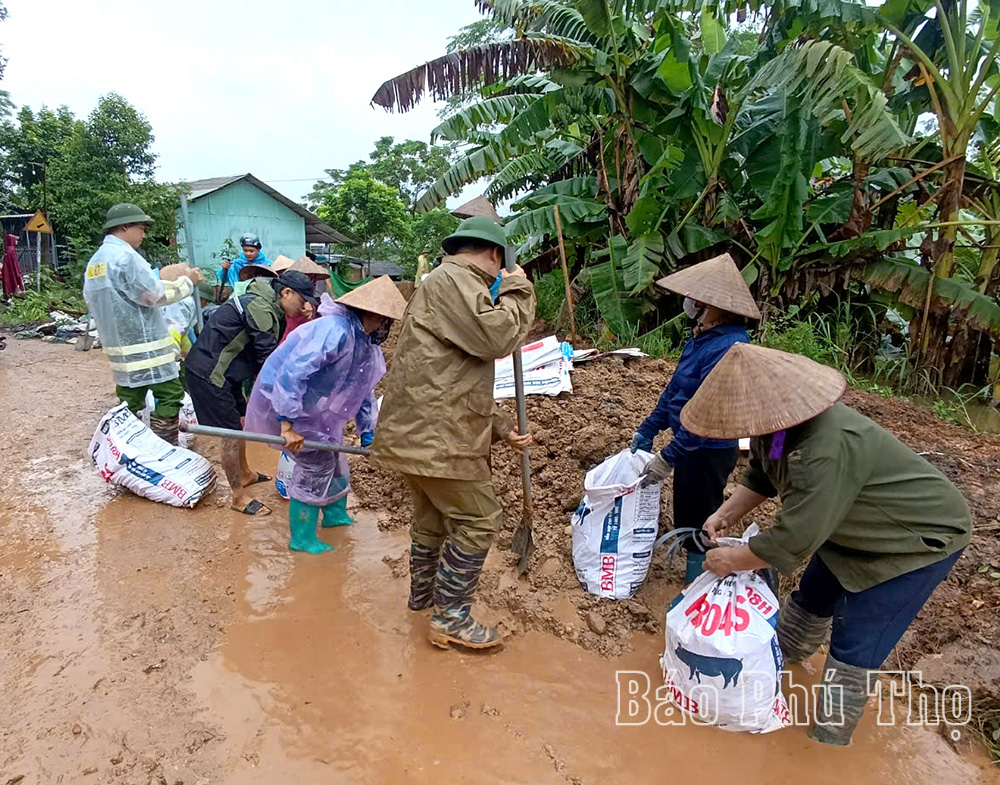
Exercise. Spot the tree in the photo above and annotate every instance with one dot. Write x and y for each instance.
(29, 143)
(664, 134)
(88, 165)
(409, 167)
(425, 232)
(367, 210)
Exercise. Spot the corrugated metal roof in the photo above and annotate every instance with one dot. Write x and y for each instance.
(317, 230)
(376, 268)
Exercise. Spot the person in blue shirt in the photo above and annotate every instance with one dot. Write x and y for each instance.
(718, 299)
(229, 274)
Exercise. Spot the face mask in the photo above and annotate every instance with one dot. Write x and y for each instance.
(692, 309)
(378, 337)
(495, 288)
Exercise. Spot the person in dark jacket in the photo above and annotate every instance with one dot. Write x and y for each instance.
(716, 296)
(231, 350)
(879, 525)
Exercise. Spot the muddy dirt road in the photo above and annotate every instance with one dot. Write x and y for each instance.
(145, 644)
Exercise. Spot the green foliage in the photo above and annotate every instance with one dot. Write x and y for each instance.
(789, 334)
(620, 310)
(229, 250)
(34, 306)
(550, 294)
(367, 210)
(87, 166)
(425, 233)
(409, 167)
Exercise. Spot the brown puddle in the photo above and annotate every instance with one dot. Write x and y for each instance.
(335, 682)
(145, 644)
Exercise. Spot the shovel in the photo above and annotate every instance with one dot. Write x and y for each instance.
(523, 543)
(267, 438)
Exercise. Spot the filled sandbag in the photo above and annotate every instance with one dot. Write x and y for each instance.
(127, 453)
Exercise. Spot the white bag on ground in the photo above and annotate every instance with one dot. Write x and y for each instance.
(614, 527)
(187, 417)
(127, 453)
(286, 465)
(722, 661)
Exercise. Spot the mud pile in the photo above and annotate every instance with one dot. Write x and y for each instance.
(611, 397)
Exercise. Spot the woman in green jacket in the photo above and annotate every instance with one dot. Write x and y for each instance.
(878, 524)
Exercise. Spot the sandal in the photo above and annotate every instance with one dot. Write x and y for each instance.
(260, 478)
(253, 507)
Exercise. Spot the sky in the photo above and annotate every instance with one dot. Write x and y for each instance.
(279, 89)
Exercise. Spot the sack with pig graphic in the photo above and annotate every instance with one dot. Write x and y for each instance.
(722, 664)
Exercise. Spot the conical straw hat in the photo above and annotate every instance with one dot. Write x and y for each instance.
(377, 296)
(716, 282)
(306, 265)
(282, 263)
(256, 271)
(754, 391)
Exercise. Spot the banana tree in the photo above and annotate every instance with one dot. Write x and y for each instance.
(955, 60)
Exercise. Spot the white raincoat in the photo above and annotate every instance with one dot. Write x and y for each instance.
(124, 296)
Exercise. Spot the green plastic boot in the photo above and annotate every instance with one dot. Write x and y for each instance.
(800, 633)
(335, 514)
(839, 710)
(302, 520)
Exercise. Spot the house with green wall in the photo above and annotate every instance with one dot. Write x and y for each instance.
(222, 208)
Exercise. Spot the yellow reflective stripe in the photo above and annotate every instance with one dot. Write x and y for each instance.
(175, 291)
(150, 346)
(141, 365)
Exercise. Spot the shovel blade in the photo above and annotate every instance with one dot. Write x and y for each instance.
(523, 545)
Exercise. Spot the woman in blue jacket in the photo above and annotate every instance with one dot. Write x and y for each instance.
(718, 299)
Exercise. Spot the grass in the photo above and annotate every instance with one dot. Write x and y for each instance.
(34, 306)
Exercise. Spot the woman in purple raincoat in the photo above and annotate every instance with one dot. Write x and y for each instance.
(323, 375)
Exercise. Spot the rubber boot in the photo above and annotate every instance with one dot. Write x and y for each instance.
(800, 633)
(454, 584)
(335, 514)
(165, 427)
(302, 520)
(423, 569)
(695, 566)
(839, 710)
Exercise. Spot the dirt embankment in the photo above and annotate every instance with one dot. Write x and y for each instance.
(955, 639)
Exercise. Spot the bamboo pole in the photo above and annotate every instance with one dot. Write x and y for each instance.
(565, 269)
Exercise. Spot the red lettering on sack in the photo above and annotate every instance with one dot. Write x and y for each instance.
(757, 601)
(680, 699)
(710, 617)
(607, 573)
(174, 488)
(781, 711)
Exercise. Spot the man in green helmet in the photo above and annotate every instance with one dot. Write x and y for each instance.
(125, 296)
(439, 419)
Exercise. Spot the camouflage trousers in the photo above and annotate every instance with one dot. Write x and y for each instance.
(465, 511)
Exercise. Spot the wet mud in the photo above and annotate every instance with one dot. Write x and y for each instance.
(147, 644)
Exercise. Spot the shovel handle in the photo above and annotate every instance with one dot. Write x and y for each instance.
(522, 428)
(267, 438)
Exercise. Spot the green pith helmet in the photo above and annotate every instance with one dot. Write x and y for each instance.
(125, 213)
(206, 291)
(479, 227)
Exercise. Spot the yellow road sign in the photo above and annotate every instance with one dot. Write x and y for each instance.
(39, 223)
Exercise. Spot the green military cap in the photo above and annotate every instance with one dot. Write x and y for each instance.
(124, 213)
(206, 290)
(479, 227)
